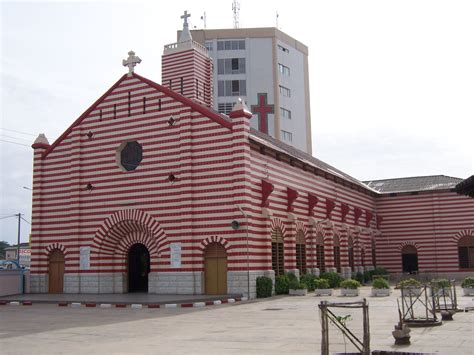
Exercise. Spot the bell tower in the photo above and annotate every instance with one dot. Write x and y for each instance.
(187, 67)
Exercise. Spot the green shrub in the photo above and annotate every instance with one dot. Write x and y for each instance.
(369, 275)
(468, 282)
(359, 277)
(291, 276)
(297, 285)
(409, 283)
(264, 287)
(440, 283)
(321, 284)
(282, 283)
(333, 278)
(309, 279)
(380, 283)
(351, 284)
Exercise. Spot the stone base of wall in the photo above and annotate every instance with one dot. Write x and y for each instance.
(346, 272)
(237, 282)
(331, 269)
(177, 283)
(39, 283)
(315, 271)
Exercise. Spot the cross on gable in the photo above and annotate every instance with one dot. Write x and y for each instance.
(262, 110)
(185, 17)
(131, 61)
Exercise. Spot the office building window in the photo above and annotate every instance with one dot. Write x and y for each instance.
(285, 91)
(283, 49)
(225, 107)
(230, 45)
(231, 88)
(285, 113)
(209, 46)
(286, 136)
(283, 69)
(231, 66)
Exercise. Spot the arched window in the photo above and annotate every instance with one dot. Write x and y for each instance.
(320, 253)
(350, 247)
(466, 252)
(337, 253)
(374, 253)
(277, 252)
(300, 252)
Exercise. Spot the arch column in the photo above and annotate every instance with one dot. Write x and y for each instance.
(329, 247)
(346, 270)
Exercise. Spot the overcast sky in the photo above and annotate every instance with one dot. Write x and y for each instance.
(392, 82)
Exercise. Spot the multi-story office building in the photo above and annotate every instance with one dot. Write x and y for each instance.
(269, 70)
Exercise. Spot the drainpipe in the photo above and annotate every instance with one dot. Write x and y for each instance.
(248, 257)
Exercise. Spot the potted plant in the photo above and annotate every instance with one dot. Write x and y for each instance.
(322, 287)
(297, 288)
(308, 279)
(380, 288)
(440, 287)
(410, 287)
(468, 286)
(350, 287)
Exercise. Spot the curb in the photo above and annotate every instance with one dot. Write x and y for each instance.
(133, 305)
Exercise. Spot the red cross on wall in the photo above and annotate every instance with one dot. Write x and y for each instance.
(262, 110)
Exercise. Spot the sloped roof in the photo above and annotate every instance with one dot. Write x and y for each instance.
(412, 184)
(272, 143)
(466, 187)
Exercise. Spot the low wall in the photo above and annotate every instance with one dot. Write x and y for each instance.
(11, 282)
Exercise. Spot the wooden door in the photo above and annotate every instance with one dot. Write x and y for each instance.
(215, 269)
(56, 271)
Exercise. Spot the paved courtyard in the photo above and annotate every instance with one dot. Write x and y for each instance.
(279, 325)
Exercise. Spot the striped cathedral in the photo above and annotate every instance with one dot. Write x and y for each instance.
(152, 190)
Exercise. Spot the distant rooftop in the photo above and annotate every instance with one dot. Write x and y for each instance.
(466, 187)
(412, 184)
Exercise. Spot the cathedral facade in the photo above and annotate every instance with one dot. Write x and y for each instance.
(151, 190)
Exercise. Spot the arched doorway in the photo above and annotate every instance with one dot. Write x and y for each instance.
(215, 269)
(56, 272)
(466, 252)
(138, 268)
(409, 259)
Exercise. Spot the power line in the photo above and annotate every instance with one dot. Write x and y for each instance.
(13, 130)
(13, 215)
(3, 140)
(25, 221)
(21, 139)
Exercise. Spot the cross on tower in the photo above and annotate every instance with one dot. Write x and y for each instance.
(262, 110)
(131, 61)
(185, 17)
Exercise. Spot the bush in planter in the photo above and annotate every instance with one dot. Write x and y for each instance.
(409, 283)
(380, 284)
(282, 283)
(264, 287)
(291, 276)
(440, 284)
(333, 278)
(309, 280)
(296, 285)
(468, 282)
(378, 271)
(350, 284)
(321, 284)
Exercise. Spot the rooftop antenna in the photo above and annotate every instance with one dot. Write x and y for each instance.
(277, 19)
(203, 17)
(236, 11)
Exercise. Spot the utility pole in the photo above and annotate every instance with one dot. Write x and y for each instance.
(18, 244)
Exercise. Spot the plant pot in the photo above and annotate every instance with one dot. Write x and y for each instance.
(380, 292)
(323, 292)
(349, 292)
(468, 291)
(298, 292)
(411, 291)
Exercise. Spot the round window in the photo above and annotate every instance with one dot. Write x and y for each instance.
(130, 155)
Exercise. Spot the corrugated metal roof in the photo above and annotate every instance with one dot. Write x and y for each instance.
(412, 184)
